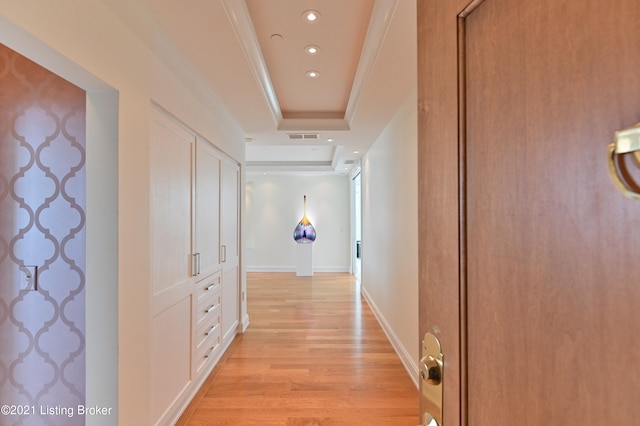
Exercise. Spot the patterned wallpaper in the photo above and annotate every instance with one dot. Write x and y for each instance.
(42, 225)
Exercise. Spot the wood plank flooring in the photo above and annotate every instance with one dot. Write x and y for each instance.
(314, 354)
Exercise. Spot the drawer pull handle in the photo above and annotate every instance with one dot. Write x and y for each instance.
(212, 286)
(208, 311)
(213, 327)
(210, 351)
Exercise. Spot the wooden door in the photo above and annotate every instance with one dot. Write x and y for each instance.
(546, 291)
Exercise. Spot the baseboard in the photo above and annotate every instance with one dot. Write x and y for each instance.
(407, 360)
(335, 269)
(245, 323)
(271, 268)
(197, 385)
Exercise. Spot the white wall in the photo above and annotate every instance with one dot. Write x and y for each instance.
(124, 66)
(390, 232)
(274, 208)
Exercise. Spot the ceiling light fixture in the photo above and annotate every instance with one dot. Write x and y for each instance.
(311, 16)
(313, 74)
(312, 50)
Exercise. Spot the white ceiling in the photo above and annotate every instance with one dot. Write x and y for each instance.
(251, 53)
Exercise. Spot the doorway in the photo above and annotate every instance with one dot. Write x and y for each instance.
(43, 256)
(356, 220)
(101, 226)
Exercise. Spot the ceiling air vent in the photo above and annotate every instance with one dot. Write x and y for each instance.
(303, 136)
(349, 161)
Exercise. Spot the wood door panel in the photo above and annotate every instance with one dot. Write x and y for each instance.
(552, 279)
(438, 189)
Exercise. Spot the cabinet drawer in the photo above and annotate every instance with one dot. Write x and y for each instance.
(208, 310)
(208, 345)
(206, 288)
(206, 331)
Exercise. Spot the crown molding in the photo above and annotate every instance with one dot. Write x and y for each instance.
(240, 19)
(381, 16)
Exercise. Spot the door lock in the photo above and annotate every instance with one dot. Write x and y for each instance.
(431, 374)
(431, 370)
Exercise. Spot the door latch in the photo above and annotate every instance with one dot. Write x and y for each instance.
(431, 381)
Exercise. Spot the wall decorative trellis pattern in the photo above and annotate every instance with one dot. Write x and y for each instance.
(42, 223)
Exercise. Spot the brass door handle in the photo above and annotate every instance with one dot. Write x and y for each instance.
(626, 142)
(431, 383)
(431, 370)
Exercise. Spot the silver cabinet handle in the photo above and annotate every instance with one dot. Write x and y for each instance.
(210, 351)
(211, 287)
(196, 264)
(213, 327)
(224, 253)
(208, 311)
(212, 348)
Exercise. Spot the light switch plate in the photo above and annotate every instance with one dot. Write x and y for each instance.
(29, 278)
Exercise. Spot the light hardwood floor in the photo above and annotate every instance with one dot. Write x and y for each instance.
(314, 354)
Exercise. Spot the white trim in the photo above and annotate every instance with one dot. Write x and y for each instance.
(197, 385)
(409, 363)
(245, 323)
(335, 269)
(240, 19)
(383, 11)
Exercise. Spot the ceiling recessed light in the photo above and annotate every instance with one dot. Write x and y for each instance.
(311, 15)
(313, 74)
(330, 140)
(312, 50)
(356, 152)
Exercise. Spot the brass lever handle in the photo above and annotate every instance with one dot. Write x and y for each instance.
(431, 385)
(626, 142)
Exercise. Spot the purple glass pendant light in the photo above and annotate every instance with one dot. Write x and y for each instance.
(304, 233)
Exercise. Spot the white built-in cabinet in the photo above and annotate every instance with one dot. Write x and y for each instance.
(229, 229)
(194, 231)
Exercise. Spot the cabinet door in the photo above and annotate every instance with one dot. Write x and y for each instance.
(170, 202)
(230, 247)
(207, 202)
(171, 157)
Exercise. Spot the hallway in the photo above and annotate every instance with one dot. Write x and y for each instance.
(314, 354)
